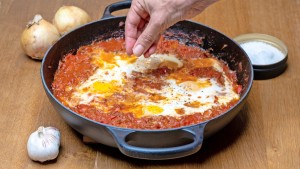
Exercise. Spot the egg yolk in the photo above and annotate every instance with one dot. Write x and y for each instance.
(153, 109)
(104, 87)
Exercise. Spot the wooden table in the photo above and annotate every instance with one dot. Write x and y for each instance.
(265, 134)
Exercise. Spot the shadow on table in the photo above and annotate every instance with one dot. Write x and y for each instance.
(211, 146)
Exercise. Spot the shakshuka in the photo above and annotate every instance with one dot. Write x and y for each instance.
(177, 86)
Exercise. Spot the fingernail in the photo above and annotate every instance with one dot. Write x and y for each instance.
(138, 50)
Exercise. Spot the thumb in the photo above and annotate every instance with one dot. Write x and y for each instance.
(148, 37)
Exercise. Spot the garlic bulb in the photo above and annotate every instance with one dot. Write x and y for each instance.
(43, 144)
(38, 36)
(70, 17)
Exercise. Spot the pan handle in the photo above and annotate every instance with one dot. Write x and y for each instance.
(162, 153)
(115, 7)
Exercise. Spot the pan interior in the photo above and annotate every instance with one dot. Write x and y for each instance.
(221, 46)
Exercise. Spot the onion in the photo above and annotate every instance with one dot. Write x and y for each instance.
(38, 36)
(69, 17)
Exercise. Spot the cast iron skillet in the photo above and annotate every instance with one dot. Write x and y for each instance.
(148, 144)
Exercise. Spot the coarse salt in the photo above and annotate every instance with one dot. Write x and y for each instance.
(261, 53)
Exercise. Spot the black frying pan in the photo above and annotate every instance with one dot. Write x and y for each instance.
(148, 144)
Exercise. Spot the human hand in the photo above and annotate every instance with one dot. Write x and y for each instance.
(147, 19)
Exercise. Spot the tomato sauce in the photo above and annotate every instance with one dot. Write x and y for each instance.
(74, 69)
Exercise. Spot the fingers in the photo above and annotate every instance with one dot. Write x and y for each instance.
(141, 33)
(148, 38)
(152, 48)
(150, 51)
(135, 20)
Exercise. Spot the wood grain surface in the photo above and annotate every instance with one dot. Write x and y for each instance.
(265, 134)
